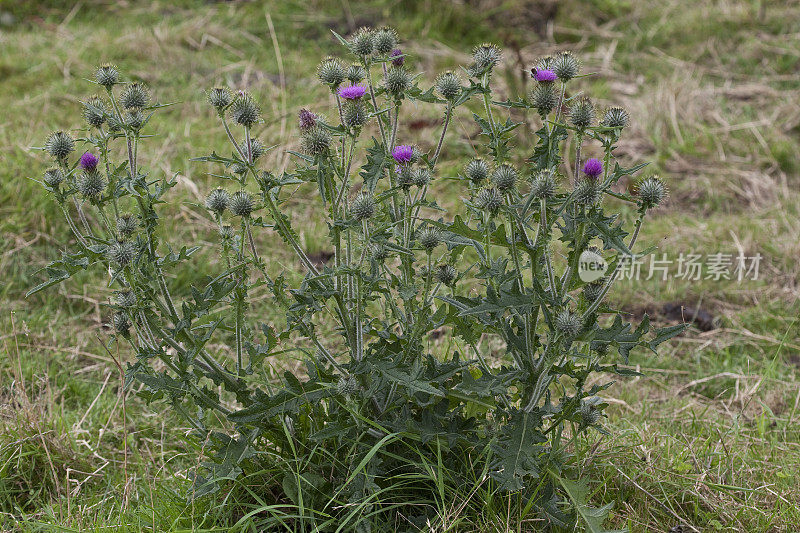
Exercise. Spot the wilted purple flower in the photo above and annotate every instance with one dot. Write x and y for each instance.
(403, 153)
(397, 57)
(352, 92)
(307, 119)
(88, 161)
(544, 75)
(593, 167)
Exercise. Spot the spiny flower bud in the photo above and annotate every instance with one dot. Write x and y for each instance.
(489, 199)
(59, 145)
(651, 191)
(544, 98)
(331, 72)
(581, 113)
(134, 96)
(568, 323)
(121, 323)
(379, 252)
(587, 192)
(543, 185)
(363, 206)
(220, 98)
(107, 75)
(94, 111)
(355, 73)
(505, 177)
(385, 40)
(126, 225)
(615, 117)
(307, 119)
(53, 177)
(430, 237)
(241, 204)
(347, 385)
(485, 56)
(135, 119)
(397, 81)
(218, 200)
(421, 177)
(91, 184)
(446, 274)
(125, 299)
(121, 252)
(593, 290)
(244, 110)
(477, 170)
(449, 85)
(355, 114)
(363, 42)
(315, 140)
(566, 66)
(256, 148)
(397, 57)
(226, 232)
(590, 413)
(405, 176)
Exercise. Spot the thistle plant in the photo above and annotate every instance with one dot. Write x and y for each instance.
(377, 403)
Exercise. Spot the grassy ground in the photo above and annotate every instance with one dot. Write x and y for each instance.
(708, 438)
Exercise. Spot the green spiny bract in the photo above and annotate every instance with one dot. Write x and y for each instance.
(566, 66)
(615, 117)
(95, 111)
(91, 184)
(363, 42)
(244, 110)
(107, 75)
(388, 290)
(385, 40)
(59, 145)
(397, 81)
(134, 96)
(448, 84)
(582, 113)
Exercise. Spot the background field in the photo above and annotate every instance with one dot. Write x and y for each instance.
(708, 438)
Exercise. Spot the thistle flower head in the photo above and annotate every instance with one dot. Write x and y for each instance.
(403, 154)
(331, 72)
(126, 224)
(88, 161)
(385, 40)
(544, 98)
(244, 110)
(615, 117)
(593, 168)
(363, 206)
(543, 63)
(446, 274)
(566, 66)
(315, 140)
(121, 253)
(651, 191)
(95, 111)
(505, 177)
(581, 113)
(347, 385)
(397, 81)
(91, 184)
(355, 113)
(257, 148)
(421, 176)
(593, 290)
(220, 98)
(587, 192)
(125, 299)
(241, 204)
(448, 85)
(53, 177)
(477, 170)
(107, 75)
(226, 232)
(352, 92)
(489, 199)
(590, 411)
(568, 323)
(362, 43)
(59, 145)
(121, 323)
(134, 96)
(544, 75)
(306, 119)
(379, 252)
(355, 74)
(397, 57)
(543, 185)
(405, 176)
(429, 238)
(135, 118)
(218, 200)
(485, 56)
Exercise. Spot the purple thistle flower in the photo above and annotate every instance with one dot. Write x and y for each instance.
(352, 92)
(307, 119)
(403, 154)
(89, 161)
(544, 75)
(593, 167)
(397, 57)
